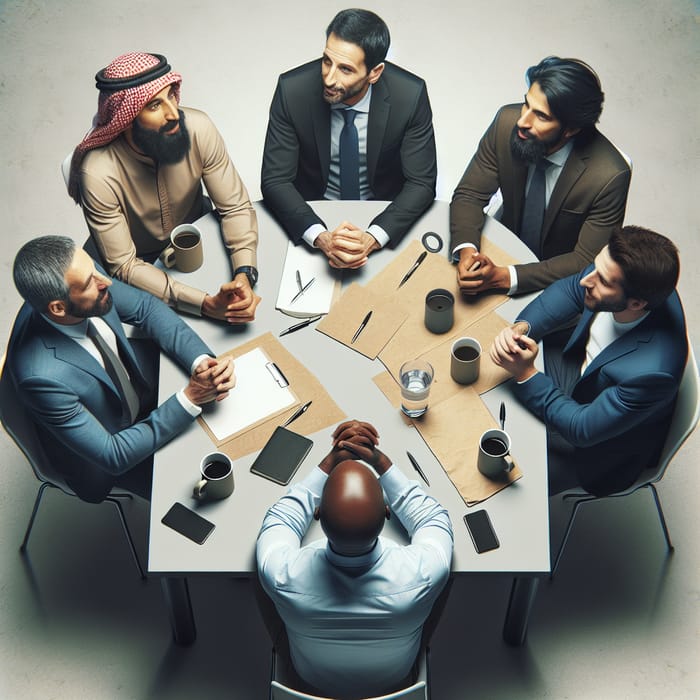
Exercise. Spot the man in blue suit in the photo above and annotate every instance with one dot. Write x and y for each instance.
(609, 391)
(79, 377)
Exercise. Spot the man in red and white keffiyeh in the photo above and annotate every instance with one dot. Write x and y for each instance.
(140, 172)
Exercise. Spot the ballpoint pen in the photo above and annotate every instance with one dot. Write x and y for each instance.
(502, 415)
(414, 267)
(361, 328)
(417, 468)
(299, 284)
(299, 412)
(302, 290)
(299, 326)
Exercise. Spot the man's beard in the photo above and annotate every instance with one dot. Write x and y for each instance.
(342, 94)
(531, 149)
(610, 306)
(101, 307)
(164, 148)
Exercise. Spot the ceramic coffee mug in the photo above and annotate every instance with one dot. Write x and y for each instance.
(439, 310)
(494, 454)
(465, 359)
(217, 477)
(185, 250)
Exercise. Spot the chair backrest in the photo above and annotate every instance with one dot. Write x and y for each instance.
(20, 427)
(685, 415)
(65, 168)
(417, 691)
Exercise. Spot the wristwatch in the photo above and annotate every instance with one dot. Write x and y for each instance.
(250, 272)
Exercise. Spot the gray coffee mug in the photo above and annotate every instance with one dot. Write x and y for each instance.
(494, 459)
(217, 477)
(185, 250)
(439, 310)
(465, 360)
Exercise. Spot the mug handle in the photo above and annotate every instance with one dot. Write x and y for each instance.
(509, 464)
(199, 490)
(167, 257)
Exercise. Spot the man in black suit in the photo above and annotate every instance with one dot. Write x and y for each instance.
(316, 149)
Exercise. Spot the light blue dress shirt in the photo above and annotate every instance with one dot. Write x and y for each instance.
(354, 623)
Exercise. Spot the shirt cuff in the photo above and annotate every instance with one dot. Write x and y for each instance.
(196, 362)
(393, 481)
(456, 249)
(191, 408)
(314, 481)
(513, 280)
(525, 381)
(312, 233)
(379, 234)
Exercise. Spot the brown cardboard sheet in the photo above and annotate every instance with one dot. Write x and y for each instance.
(451, 429)
(348, 313)
(322, 412)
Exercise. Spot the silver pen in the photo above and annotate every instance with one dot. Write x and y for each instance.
(302, 290)
(299, 412)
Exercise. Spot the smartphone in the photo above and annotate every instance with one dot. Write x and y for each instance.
(282, 455)
(188, 523)
(481, 531)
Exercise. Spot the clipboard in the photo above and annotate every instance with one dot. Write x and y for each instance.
(323, 412)
(262, 391)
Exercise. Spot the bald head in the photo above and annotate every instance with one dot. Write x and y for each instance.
(352, 510)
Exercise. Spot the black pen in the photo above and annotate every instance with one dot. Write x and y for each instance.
(414, 267)
(299, 412)
(417, 468)
(361, 328)
(299, 326)
(302, 290)
(502, 415)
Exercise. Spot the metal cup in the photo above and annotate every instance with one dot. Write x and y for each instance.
(439, 310)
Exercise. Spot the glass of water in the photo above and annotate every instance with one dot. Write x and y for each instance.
(416, 377)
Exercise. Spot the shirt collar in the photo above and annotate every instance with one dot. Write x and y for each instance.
(559, 157)
(361, 561)
(361, 106)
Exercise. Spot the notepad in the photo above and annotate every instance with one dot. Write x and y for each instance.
(261, 391)
(318, 298)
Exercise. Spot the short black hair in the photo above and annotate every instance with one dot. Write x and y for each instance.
(572, 89)
(366, 30)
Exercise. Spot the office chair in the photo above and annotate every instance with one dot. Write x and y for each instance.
(19, 426)
(685, 418)
(419, 690)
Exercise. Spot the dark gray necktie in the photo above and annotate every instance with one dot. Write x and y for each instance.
(117, 373)
(349, 158)
(533, 210)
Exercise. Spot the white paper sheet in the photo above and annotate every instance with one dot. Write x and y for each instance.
(317, 299)
(256, 395)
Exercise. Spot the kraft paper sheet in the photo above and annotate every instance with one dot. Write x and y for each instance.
(322, 412)
(451, 429)
(347, 314)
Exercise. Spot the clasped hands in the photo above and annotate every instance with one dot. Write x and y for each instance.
(235, 301)
(477, 273)
(355, 439)
(513, 350)
(346, 247)
(211, 380)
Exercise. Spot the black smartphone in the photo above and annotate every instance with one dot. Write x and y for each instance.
(281, 456)
(481, 531)
(188, 523)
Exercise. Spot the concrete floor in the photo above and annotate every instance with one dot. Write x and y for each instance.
(621, 618)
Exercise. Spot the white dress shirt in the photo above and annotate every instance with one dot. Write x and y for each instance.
(354, 623)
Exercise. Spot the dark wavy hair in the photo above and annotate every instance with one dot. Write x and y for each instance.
(649, 263)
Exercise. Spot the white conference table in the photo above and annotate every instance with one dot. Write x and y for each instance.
(519, 513)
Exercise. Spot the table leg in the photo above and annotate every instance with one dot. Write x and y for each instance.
(177, 599)
(522, 596)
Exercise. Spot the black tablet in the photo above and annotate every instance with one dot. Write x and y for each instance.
(281, 456)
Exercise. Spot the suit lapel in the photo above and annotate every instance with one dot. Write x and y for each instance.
(320, 113)
(574, 167)
(379, 108)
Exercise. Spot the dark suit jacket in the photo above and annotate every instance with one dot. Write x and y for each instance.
(401, 160)
(74, 403)
(619, 411)
(587, 204)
